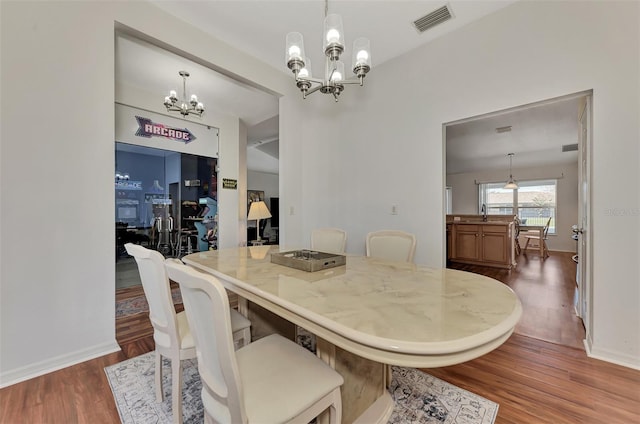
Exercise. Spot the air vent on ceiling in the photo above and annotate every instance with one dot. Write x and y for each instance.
(570, 147)
(432, 19)
(503, 129)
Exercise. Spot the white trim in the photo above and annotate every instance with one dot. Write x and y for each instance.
(525, 180)
(607, 355)
(54, 364)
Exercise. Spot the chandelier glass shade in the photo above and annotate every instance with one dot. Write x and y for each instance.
(173, 104)
(333, 43)
(511, 184)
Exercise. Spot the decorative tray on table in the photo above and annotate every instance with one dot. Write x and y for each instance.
(308, 260)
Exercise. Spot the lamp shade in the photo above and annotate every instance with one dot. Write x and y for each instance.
(511, 184)
(259, 210)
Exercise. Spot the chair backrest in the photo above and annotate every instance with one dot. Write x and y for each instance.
(331, 240)
(391, 245)
(546, 229)
(207, 307)
(516, 226)
(157, 290)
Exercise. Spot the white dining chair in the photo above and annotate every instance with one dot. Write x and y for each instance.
(330, 240)
(171, 332)
(391, 245)
(272, 380)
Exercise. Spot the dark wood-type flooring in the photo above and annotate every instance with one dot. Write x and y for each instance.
(533, 380)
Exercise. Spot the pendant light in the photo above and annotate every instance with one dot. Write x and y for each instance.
(511, 184)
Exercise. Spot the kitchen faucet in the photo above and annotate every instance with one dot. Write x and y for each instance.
(483, 211)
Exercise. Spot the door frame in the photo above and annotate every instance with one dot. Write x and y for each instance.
(584, 292)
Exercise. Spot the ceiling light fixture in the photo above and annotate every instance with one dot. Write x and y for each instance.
(511, 184)
(185, 108)
(122, 176)
(333, 44)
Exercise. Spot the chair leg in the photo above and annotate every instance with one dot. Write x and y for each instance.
(246, 336)
(335, 410)
(158, 378)
(526, 245)
(176, 390)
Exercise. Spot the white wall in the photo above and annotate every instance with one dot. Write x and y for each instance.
(384, 142)
(270, 184)
(465, 196)
(57, 274)
(267, 182)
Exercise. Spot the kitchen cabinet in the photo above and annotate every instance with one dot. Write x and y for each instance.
(482, 243)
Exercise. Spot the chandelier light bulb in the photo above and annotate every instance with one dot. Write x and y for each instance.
(194, 98)
(173, 94)
(333, 36)
(336, 72)
(362, 56)
(294, 52)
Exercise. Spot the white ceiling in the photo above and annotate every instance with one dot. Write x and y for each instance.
(259, 29)
(536, 137)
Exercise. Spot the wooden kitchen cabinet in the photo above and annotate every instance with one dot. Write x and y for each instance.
(467, 244)
(483, 243)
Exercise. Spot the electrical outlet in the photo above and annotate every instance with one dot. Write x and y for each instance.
(394, 209)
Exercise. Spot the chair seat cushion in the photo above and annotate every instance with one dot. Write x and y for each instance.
(281, 379)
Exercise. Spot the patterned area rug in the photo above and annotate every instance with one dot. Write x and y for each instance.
(418, 397)
(138, 304)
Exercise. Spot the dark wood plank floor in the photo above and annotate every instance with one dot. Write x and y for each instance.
(533, 381)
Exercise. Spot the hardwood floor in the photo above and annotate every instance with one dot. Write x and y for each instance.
(546, 289)
(533, 381)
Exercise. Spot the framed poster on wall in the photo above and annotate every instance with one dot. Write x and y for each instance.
(254, 196)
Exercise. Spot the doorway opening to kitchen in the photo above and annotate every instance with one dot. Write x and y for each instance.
(544, 150)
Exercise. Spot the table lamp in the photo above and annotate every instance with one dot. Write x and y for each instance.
(258, 211)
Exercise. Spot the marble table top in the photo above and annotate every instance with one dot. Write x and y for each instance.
(399, 310)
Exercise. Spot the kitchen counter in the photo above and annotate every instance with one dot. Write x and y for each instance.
(477, 242)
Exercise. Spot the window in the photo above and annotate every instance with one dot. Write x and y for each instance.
(534, 202)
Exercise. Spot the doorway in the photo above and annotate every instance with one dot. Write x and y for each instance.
(548, 141)
(158, 195)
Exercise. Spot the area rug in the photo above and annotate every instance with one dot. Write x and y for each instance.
(418, 397)
(138, 304)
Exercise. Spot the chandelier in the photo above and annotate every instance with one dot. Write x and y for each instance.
(192, 107)
(333, 44)
(122, 176)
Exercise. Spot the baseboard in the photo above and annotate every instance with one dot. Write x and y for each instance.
(629, 361)
(54, 364)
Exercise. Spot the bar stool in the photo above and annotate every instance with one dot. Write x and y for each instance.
(164, 227)
(187, 242)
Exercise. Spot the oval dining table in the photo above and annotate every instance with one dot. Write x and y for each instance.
(369, 314)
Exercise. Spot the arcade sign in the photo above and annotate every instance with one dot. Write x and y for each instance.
(148, 129)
